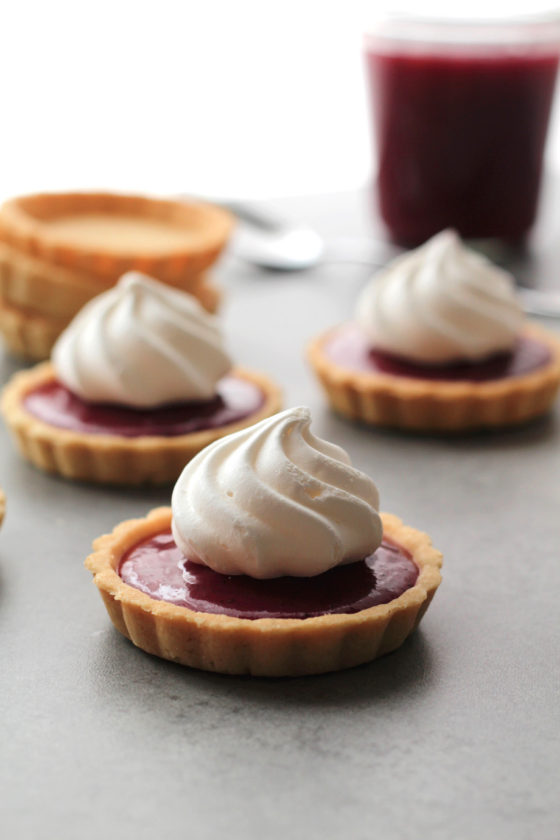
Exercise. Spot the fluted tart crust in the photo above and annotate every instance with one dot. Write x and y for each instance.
(107, 234)
(27, 333)
(262, 647)
(54, 292)
(110, 458)
(385, 399)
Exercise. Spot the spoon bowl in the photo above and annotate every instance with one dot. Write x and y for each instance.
(285, 249)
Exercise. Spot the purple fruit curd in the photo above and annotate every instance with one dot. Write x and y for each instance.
(349, 347)
(54, 404)
(157, 567)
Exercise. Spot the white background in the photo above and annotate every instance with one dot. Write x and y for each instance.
(246, 97)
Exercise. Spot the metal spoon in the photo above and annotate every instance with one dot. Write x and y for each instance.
(270, 243)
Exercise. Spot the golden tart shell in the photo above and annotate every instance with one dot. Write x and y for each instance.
(27, 333)
(56, 292)
(383, 399)
(262, 647)
(49, 290)
(112, 459)
(107, 234)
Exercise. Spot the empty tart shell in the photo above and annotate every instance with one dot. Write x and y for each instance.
(107, 234)
(49, 290)
(109, 458)
(27, 333)
(56, 292)
(402, 402)
(262, 647)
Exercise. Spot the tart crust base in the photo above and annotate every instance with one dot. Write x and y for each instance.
(49, 290)
(25, 225)
(402, 402)
(37, 301)
(27, 333)
(113, 459)
(262, 647)
(38, 287)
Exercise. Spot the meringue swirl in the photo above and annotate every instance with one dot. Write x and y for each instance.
(275, 500)
(141, 344)
(441, 303)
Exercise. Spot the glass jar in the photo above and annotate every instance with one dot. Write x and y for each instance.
(460, 113)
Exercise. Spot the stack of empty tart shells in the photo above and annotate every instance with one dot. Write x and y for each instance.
(57, 251)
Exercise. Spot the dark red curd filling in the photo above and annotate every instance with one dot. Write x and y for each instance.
(349, 347)
(54, 404)
(157, 567)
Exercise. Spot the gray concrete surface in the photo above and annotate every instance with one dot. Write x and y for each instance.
(454, 736)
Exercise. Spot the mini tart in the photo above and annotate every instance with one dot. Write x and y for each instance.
(27, 333)
(262, 647)
(52, 291)
(106, 234)
(56, 292)
(110, 458)
(385, 399)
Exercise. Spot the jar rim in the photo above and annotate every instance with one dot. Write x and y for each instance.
(504, 33)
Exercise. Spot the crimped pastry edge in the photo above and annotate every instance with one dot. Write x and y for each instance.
(22, 226)
(262, 647)
(29, 334)
(52, 291)
(110, 459)
(41, 288)
(382, 399)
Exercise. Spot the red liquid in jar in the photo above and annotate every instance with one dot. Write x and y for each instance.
(460, 139)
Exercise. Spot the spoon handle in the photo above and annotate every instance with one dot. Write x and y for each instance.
(255, 216)
(251, 213)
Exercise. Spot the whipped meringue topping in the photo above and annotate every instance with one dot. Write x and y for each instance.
(275, 500)
(441, 303)
(141, 344)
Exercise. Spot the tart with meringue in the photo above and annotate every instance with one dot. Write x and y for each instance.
(439, 343)
(273, 560)
(138, 383)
